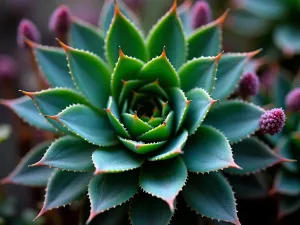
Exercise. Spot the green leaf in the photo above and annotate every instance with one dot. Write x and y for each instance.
(69, 153)
(168, 33)
(128, 87)
(206, 40)
(5, 131)
(148, 210)
(161, 132)
(90, 75)
(200, 104)
(63, 188)
(86, 37)
(184, 11)
(211, 191)
(115, 159)
(236, 119)
(135, 125)
(287, 183)
(288, 205)
(88, 124)
(286, 37)
(113, 216)
(141, 147)
(181, 106)
(53, 101)
(164, 179)
(207, 150)
(54, 65)
(173, 148)
(28, 112)
(253, 156)
(30, 176)
(155, 121)
(230, 70)
(154, 89)
(123, 34)
(252, 186)
(199, 73)
(160, 69)
(285, 148)
(108, 11)
(114, 118)
(106, 191)
(126, 69)
(281, 88)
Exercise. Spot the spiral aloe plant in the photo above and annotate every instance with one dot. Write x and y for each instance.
(142, 120)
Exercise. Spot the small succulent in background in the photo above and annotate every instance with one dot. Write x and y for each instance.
(141, 123)
(29, 30)
(261, 21)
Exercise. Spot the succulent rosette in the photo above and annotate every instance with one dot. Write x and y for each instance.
(143, 120)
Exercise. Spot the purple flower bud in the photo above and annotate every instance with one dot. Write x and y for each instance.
(7, 67)
(292, 100)
(27, 29)
(60, 20)
(201, 14)
(272, 121)
(249, 85)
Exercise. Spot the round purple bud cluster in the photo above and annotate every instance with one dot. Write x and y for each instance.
(272, 121)
(292, 100)
(28, 30)
(60, 20)
(249, 85)
(7, 67)
(201, 14)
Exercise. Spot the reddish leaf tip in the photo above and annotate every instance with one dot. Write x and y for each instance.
(121, 53)
(135, 116)
(30, 43)
(164, 53)
(63, 45)
(170, 203)
(237, 222)
(222, 18)
(273, 191)
(236, 166)
(188, 102)
(39, 163)
(29, 94)
(6, 103)
(6, 180)
(97, 172)
(107, 110)
(213, 101)
(117, 9)
(53, 117)
(174, 7)
(219, 56)
(254, 53)
(43, 210)
(91, 217)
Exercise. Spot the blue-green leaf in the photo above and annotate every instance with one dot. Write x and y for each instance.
(87, 124)
(86, 37)
(63, 188)
(236, 119)
(28, 112)
(207, 150)
(211, 191)
(54, 65)
(69, 153)
(164, 179)
(148, 210)
(115, 160)
(123, 34)
(106, 191)
(30, 176)
(168, 33)
(90, 75)
(287, 183)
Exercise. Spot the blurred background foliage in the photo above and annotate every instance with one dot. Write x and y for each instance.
(269, 24)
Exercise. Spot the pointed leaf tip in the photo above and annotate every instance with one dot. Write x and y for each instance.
(174, 7)
(43, 210)
(236, 166)
(121, 53)
(30, 43)
(254, 53)
(97, 172)
(5, 180)
(39, 163)
(222, 18)
(53, 117)
(63, 45)
(219, 56)
(170, 203)
(117, 9)
(164, 53)
(91, 217)
(29, 94)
